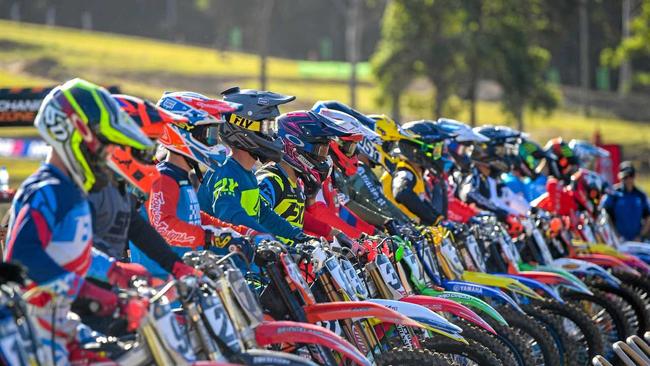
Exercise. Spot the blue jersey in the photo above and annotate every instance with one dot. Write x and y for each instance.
(232, 195)
(50, 233)
(627, 210)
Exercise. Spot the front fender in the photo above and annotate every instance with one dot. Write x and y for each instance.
(435, 322)
(279, 332)
(536, 285)
(448, 306)
(339, 310)
(482, 291)
(585, 268)
(608, 262)
(501, 282)
(470, 301)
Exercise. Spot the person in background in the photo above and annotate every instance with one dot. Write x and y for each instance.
(628, 205)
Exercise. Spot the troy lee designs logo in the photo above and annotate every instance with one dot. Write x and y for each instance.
(156, 203)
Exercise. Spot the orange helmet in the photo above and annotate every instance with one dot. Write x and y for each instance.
(138, 166)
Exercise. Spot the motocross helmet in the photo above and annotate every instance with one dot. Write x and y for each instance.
(587, 153)
(306, 136)
(195, 139)
(79, 120)
(529, 155)
(498, 152)
(587, 187)
(427, 147)
(343, 149)
(564, 162)
(253, 128)
(390, 133)
(367, 145)
(461, 132)
(138, 167)
(338, 106)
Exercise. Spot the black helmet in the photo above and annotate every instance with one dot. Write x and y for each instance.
(499, 152)
(426, 146)
(253, 128)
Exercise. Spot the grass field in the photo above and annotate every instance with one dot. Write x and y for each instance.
(35, 55)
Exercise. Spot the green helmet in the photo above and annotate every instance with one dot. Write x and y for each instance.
(79, 119)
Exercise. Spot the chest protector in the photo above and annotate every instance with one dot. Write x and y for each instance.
(419, 188)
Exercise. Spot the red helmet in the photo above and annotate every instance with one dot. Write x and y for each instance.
(138, 166)
(587, 189)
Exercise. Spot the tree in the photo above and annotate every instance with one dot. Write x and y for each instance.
(634, 48)
(458, 42)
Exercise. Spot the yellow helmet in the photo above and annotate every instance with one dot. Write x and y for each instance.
(388, 129)
(390, 133)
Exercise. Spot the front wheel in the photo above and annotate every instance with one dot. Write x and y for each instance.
(473, 353)
(406, 357)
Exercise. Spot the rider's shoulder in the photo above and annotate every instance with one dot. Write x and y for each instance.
(49, 189)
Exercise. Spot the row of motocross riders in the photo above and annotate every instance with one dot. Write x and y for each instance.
(443, 244)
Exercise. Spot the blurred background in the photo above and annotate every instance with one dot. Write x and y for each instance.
(576, 68)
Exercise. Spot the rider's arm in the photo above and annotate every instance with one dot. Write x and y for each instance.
(314, 225)
(403, 184)
(275, 223)
(150, 242)
(161, 209)
(208, 220)
(28, 240)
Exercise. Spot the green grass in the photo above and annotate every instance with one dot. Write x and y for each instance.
(19, 169)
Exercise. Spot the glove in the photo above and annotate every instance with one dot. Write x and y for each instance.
(302, 238)
(121, 273)
(221, 237)
(105, 301)
(181, 269)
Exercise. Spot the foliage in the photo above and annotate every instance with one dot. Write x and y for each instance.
(456, 42)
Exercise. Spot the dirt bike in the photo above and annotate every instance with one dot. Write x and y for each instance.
(287, 295)
(19, 343)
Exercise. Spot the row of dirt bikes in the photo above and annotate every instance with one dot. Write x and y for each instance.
(466, 292)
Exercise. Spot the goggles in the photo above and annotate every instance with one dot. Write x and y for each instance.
(206, 134)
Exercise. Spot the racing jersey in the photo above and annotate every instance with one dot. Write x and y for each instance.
(483, 192)
(278, 191)
(173, 210)
(231, 194)
(50, 233)
(116, 221)
(365, 189)
(558, 199)
(530, 189)
(406, 189)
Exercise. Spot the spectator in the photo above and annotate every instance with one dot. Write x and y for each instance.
(628, 206)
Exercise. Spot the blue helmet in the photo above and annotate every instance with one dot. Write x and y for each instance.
(338, 106)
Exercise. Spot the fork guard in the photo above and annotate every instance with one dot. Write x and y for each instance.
(481, 291)
(449, 306)
(278, 332)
